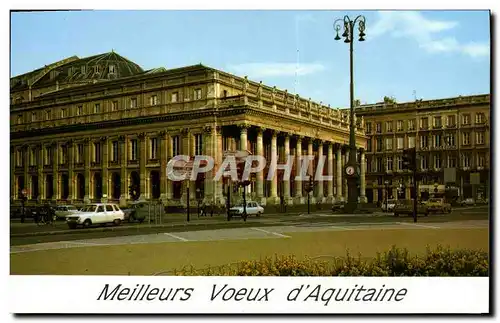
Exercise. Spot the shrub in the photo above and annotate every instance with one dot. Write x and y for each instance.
(394, 262)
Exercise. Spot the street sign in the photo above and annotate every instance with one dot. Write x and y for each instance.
(450, 175)
(475, 179)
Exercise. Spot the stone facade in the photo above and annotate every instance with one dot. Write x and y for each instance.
(447, 133)
(91, 142)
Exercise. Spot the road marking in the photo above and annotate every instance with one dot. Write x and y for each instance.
(342, 228)
(83, 243)
(176, 237)
(420, 225)
(269, 232)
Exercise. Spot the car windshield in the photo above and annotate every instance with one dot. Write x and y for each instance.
(89, 208)
(434, 200)
(71, 208)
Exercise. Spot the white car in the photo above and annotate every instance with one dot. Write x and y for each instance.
(253, 208)
(100, 213)
(388, 206)
(63, 211)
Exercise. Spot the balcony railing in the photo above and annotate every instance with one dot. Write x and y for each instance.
(436, 126)
(133, 162)
(451, 125)
(95, 164)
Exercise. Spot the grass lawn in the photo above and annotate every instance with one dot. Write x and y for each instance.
(147, 259)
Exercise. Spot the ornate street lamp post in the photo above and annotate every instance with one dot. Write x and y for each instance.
(351, 169)
(386, 182)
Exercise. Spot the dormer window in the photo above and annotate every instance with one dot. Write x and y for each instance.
(84, 69)
(96, 69)
(111, 69)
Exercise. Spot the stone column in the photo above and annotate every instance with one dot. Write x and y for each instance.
(87, 157)
(362, 180)
(260, 175)
(319, 192)
(162, 137)
(123, 171)
(274, 155)
(330, 172)
(243, 136)
(286, 181)
(298, 183)
(41, 181)
(142, 166)
(55, 172)
(208, 151)
(169, 145)
(13, 189)
(344, 180)
(192, 152)
(218, 151)
(25, 164)
(105, 173)
(338, 178)
(71, 166)
(185, 143)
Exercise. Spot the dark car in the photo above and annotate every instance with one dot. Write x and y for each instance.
(338, 206)
(406, 207)
(135, 211)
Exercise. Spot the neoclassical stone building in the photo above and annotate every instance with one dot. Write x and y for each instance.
(86, 129)
(450, 133)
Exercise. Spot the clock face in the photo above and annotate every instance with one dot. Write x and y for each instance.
(349, 170)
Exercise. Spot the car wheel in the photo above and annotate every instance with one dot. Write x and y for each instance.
(426, 213)
(259, 214)
(87, 223)
(396, 214)
(117, 222)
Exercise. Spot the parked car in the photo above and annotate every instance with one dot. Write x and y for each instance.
(100, 213)
(438, 205)
(135, 211)
(62, 211)
(388, 206)
(253, 208)
(406, 207)
(482, 201)
(468, 202)
(338, 206)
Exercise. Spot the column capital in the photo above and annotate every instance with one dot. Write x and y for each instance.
(141, 135)
(103, 138)
(318, 141)
(361, 150)
(162, 133)
(243, 127)
(184, 131)
(260, 130)
(298, 137)
(284, 134)
(337, 146)
(121, 138)
(69, 142)
(206, 129)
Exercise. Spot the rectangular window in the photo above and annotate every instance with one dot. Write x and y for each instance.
(63, 113)
(480, 138)
(452, 161)
(400, 125)
(450, 140)
(424, 123)
(451, 120)
(133, 103)
(388, 143)
(411, 142)
(97, 108)
(379, 127)
(176, 148)
(480, 160)
(111, 69)
(133, 149)
(369, 145)
(19, 118)
(48, 114)
(465, 160)
(153, 100)
(114, 155)
(388, 126)
(368, 127)
(389, 164)
(64, 154)
(399, 163)
(379, 144)
(423, 162)
(80, 153)
(174, 97)
(153, 148)
(411, 124)
(480, 118)
(197, 94)
(33, 116)
(424, 141)
(437, 161)
(466, 138)
(437, 141)
(437, 122)
(379, 164)
(79, 110)
(198, 144)
(466, 119)
(97, 152)
(400, 143)
(114, 106)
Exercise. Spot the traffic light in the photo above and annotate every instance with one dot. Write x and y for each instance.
(409, 159)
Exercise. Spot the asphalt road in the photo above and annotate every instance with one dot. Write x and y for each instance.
(29, 233)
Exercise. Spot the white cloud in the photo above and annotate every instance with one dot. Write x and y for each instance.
(425, 31)
(256, 70)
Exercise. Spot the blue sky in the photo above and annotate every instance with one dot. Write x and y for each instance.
(430, 54)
